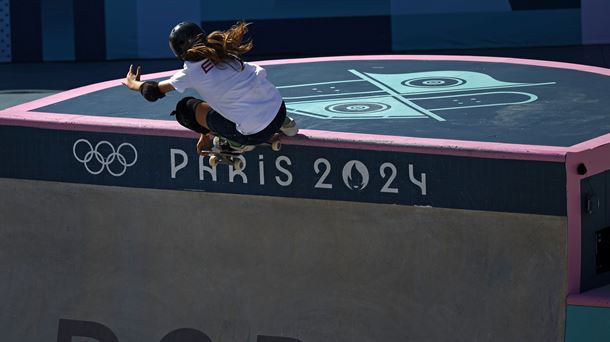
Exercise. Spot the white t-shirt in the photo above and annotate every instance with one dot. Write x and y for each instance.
(245, 97)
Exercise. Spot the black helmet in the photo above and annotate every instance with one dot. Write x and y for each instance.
(183, 36)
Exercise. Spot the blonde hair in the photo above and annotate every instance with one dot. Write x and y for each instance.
(221, 46)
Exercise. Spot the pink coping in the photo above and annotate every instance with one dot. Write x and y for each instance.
(598, 298)
(583, 153)
(306, 137)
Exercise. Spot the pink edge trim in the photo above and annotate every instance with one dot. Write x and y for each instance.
(597, 298)
(66, 95)
(71, 122)
(306, 137)
(574, 225)
(549, 64)
(591, 144)
(432, 146)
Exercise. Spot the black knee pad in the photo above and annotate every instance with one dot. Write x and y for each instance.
(185, 114)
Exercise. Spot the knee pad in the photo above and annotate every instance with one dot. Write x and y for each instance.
(185, 114)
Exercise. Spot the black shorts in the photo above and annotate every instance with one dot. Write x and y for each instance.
(220, 125)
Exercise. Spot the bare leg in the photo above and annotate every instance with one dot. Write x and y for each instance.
(201, 114)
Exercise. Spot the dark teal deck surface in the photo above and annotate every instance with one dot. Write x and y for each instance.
(463, 100)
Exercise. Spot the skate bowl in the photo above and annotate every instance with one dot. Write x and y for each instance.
(426, 198)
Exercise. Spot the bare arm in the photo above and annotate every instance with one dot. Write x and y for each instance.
(132, 81)
(166, 87)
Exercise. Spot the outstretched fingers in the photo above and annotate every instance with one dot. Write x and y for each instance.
(131, 78)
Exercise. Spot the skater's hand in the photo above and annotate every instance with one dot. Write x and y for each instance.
(203, 144)
(132, 81)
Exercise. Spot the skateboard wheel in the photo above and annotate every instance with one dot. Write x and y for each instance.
(276, 145)
(238, 164)
(216, 142)
(213, 161)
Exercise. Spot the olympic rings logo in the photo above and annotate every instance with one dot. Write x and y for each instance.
(105, 156)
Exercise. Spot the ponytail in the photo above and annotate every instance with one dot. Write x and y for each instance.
(221, 46)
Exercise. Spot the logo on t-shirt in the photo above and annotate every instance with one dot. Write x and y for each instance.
(207, 66)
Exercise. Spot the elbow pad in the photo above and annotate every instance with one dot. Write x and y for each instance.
(151, 92)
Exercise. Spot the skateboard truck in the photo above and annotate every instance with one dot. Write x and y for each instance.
(222, 153)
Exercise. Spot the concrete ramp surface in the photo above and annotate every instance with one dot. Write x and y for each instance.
(146, 262)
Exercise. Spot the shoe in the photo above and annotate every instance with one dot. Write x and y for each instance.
(223, 143)
(289, 127)
(241, 148)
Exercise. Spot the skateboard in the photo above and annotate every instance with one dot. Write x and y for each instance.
(221, 152)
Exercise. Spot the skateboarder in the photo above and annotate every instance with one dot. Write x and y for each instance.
(237, 101)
